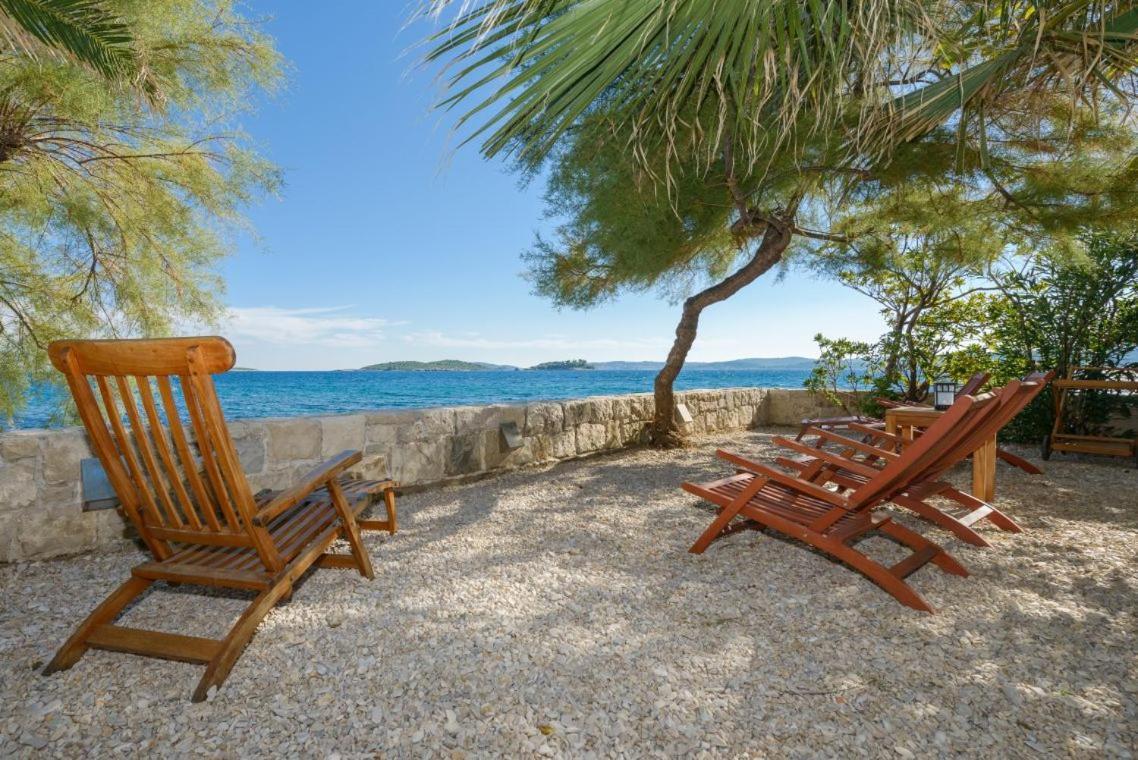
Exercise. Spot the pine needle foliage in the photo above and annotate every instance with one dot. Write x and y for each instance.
(115, 210)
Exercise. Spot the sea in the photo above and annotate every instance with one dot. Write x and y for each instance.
(286, 394)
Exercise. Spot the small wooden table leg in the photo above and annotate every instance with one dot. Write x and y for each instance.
(984, 471)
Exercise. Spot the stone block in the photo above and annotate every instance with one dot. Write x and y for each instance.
(488, 417)
(588, 410)
(419, 462)
(61, 454)
(465, 453)
(18, 488)
(342, 432)
(53, 529)
(249, 440)
(591, 436)
(293, 439)
(426, 425)
(17, 446)
(371, 467)
(380, 434)
(111, 528)
(546, 418)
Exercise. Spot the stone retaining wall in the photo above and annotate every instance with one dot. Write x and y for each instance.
(40, 500)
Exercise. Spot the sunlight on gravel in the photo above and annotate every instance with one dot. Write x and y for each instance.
(557, 612)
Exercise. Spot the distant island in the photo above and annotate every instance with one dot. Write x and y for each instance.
(244, 369)
(568, 364)
(755, 363)
(775, 363)
(442, 365)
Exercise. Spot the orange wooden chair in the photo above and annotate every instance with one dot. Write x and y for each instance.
(857, 460)
(833, 522)
(180, 484)
(970, 388)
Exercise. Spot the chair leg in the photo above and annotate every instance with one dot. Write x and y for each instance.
(876, 572)
(998, 518)
(919, 543)
(391, 524)
(76, 646)
(1018, 461)
(389, 501)
(238, 638)
(351, 530)
(946, 521)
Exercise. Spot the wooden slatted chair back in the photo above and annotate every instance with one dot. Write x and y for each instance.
(974, 384)
(940, 442)
(1016, 395)
(152, 413)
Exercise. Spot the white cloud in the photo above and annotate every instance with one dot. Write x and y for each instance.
(329, 326)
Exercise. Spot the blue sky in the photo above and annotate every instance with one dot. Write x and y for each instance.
(387, 243)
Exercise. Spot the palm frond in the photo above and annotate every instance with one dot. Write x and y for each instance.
(525, 71)
(85, 30)
(1077, 48)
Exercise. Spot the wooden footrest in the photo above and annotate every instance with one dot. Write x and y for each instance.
(167, 646)
(341, 561)
(374, 524)
(914, 562)
(203, 576)
(976, 516)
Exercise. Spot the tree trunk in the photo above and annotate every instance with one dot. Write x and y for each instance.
(665, 432)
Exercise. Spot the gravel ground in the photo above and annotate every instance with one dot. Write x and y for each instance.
(556, 612)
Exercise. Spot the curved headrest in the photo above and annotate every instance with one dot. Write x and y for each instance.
(146, 356)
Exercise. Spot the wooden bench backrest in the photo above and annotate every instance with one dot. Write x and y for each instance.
(178, 482)
(942, 440)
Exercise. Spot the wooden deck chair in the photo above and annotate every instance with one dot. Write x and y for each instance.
(970, 388)
(855, 460)
(155, 423)
(832, 522)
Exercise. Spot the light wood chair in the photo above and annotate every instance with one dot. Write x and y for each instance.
(153, 417)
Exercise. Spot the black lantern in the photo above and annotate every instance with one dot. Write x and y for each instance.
(944, 393)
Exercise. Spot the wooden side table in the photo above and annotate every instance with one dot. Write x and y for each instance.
(903, 420)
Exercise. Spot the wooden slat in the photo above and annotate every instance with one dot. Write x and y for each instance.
(914, 562)
(202, 575)
(1107, 385)
(1098, 438)
(976, 515)
(141, 440)
(168, 646)
(208, 537)
(127, 451)
(165, 455)
(181, 444)
(205, 448)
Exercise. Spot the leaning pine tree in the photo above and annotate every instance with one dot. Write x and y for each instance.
(693, 144)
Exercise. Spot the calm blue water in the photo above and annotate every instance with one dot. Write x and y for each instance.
(284, 394)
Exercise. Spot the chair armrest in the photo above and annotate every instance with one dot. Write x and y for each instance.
(828, 456)
(317, 477)
(879, 436)
(782, 478)
(850, 443)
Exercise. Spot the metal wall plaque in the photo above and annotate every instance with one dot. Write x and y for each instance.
(511, 435)
(97, 490)
(683, 414)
